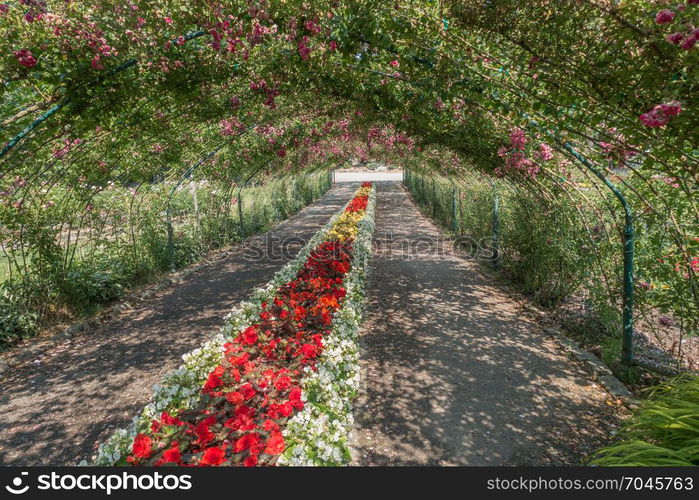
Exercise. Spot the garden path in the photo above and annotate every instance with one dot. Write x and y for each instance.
(54, 410)
(454, 372)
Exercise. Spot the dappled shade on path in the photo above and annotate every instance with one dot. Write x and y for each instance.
(453, 371)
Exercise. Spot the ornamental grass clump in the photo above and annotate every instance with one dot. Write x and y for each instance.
(664, 432)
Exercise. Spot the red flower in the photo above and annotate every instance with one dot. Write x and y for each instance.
(275, 444)
(309, 350)
(250, 335)
(300, 313)
(212, 382)
(235, 398)
(250, 461)
(248, 391)
(295, 398)
(142, 446)
(171, 455)
(204, 435)
(270, 425)
(246, 442)
(282, 383)
(213, 456)
(166, 419)
(240, 360)
(286, 409)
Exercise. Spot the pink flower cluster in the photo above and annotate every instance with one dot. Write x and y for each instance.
(304, 49)
(516, 158)
(686, 40)
(665, 16)
(37, 9)
(231, 126)
(68, 145)
(660, 115)
(25, 58)
(688, 37)
(262, 87)
(518, 139)
(545, 152)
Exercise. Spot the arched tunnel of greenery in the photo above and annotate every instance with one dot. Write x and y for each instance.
(138, 135)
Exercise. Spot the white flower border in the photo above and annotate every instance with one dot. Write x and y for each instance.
(319, 434)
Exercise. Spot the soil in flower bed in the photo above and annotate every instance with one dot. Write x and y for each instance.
(54, 410)
(453, 370)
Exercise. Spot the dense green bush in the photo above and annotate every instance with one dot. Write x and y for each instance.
(84, 285)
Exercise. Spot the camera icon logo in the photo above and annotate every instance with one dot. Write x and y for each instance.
(16, 488)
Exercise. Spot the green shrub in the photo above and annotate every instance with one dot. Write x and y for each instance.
(85, 285)
(664, 431)
(16, 319)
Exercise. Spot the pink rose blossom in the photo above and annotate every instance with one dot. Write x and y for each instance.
(545, 152)
(675, 38)
(518, 139)
(664, 16)
(689, 42)
(25, 58)
(661, 114)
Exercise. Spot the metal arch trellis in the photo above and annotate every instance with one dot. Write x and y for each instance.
(170, 229)
(628, 245)
(628, 234)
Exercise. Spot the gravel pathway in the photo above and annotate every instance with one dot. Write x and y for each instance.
(453, 371)
(54, 410)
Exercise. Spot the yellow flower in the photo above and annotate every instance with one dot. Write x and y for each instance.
(346, 225)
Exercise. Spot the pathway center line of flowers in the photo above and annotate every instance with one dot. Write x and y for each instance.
(260, 383)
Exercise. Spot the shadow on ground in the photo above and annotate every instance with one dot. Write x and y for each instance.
(452, 370)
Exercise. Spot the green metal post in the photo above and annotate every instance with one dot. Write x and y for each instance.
(170, 239)
(454, 225)
(628, 245)
(240, 213)
(628, 298)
